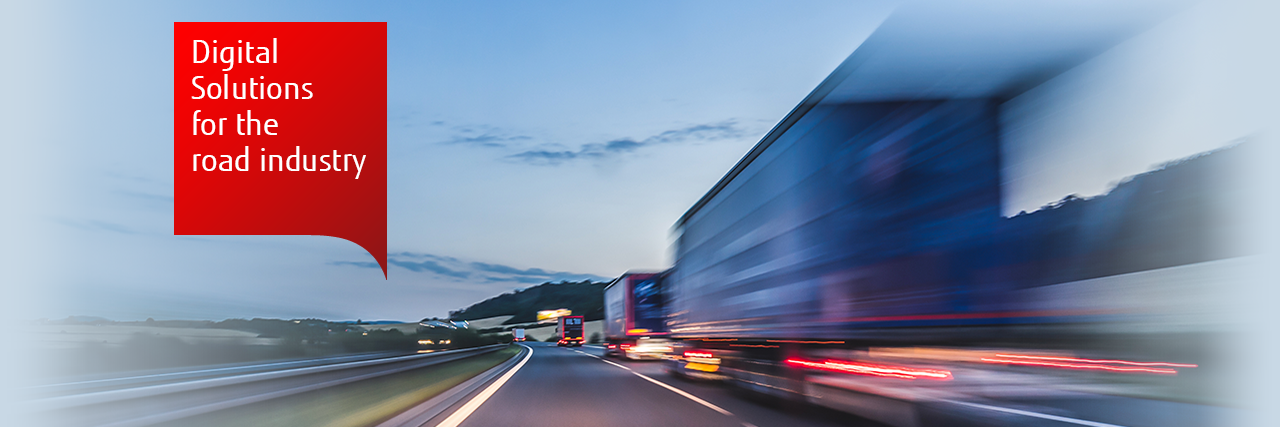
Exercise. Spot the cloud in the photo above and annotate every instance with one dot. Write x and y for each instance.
(486, 140)
(431, 266)
(703, 132)
(415, 266)
(551, 157)
(525, 280)
(503, 273)
(622, 145)
(560, 277)
(483, 136)
(455, 269)
(722, 130)
(429, 263)
(499, 268)
(427, 256)
(356, 264)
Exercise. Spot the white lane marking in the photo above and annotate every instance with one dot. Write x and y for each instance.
(664, 385)
(1035, 414)
(615, 364)
(465, 411)
(682, 393)
(589, 354)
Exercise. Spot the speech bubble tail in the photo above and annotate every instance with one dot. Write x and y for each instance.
(379, 251)
(379, 254)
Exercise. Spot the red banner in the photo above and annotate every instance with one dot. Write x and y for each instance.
(280, 128)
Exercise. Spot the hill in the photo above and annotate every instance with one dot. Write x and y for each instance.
(585, 298)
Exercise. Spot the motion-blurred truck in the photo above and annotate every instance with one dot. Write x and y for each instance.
(635, 315)
(860, 256)
(518, 334)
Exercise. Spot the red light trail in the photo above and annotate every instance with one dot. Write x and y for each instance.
(873, 369)
(1089, 364)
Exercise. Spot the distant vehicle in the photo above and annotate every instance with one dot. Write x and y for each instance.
(569, 330)
(634, 313)
(518, 333)
(648, 348)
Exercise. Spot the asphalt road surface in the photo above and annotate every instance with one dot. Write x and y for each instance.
(555, 386)
(571, 387)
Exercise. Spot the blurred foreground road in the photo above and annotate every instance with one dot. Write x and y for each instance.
(550, 386)
(572, 387)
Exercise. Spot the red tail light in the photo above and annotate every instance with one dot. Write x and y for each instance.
(698, 354)
(860, 368)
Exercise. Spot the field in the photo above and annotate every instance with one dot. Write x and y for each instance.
(66, 337)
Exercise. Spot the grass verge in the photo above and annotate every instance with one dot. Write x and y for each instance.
(362, 403)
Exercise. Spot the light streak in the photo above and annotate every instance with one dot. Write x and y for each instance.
(1114, 362)
(1089, 366)
(873, 369)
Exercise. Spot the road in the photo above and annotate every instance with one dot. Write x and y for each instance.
(547, 386)
(570, 387)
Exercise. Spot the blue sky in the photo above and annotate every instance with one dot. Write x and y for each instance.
(527, 141)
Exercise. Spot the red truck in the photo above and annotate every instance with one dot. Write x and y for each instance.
(570, 331)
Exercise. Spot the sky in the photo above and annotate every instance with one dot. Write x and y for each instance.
(527, 142)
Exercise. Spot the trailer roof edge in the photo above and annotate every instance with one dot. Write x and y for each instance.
(813, 99)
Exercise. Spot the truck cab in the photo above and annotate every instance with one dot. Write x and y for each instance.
(569, 329)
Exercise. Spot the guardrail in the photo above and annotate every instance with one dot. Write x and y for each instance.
(172, 376)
